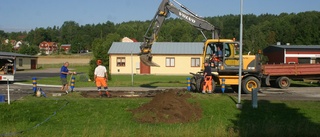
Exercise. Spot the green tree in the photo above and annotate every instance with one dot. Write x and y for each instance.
(35, 37)
(307, 24)
(70, 35)
(29, 50)
(68, 31)
(3, 35)
(255, 38)
(6, 47)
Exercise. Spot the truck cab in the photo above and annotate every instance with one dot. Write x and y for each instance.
(7, 68)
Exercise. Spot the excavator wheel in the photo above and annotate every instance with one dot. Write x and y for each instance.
(250, 83)
(213, 85)
(199, 84)
(193, 84)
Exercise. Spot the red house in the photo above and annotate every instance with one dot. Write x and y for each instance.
(48, 47)
(292, 54)
(66, 47)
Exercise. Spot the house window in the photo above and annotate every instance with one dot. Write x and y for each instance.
(20, 62)
(317, 60)
(304, 60)
(121, 61)
(195, 62)
(170, 62)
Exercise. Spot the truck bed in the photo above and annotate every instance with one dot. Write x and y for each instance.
(291, 69)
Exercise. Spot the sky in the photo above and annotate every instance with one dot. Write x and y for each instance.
(24, 15)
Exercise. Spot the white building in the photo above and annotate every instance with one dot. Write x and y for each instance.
(174, 58)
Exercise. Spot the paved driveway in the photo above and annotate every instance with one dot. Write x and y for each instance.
(42, 73)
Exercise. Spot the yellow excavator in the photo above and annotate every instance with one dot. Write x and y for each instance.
(224, 69)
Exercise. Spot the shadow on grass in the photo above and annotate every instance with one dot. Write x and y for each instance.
(226, 90)
(149, 85)
(273, 119)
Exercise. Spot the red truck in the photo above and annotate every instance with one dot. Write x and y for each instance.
(279, 75)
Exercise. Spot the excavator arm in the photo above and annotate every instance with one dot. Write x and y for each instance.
(165, 8)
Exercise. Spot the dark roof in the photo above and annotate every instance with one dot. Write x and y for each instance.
(124, 48)
(158, 48)
(297, 46)
(65, 45)
(177, 48)
(274, 48)
(11, 54)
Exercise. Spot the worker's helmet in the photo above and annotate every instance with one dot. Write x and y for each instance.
(99, 62)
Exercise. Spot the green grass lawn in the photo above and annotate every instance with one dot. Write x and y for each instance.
(78, 116)
(119, 80)
(124, 81)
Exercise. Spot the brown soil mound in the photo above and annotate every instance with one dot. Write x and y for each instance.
(170, 106)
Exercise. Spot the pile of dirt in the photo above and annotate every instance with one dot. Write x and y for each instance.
(170, 106)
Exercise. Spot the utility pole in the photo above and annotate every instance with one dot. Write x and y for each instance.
(239, 105)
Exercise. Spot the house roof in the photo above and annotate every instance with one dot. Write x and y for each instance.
(11, 54)
(66, 45)
(181, 48)
(297, 46)
(50, 44)
(294, 47)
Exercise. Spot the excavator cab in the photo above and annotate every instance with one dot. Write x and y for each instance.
(220, 52)
(214, 54)
(228, 63)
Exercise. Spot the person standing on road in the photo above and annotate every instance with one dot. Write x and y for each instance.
(64, 71)
(101, 78)
(207, 78)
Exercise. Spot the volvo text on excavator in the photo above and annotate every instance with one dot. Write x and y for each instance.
(224, 68)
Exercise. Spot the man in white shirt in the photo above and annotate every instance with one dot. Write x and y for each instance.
(101, 78)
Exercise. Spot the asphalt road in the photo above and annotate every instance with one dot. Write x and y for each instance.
(29, 74)
(292, 93)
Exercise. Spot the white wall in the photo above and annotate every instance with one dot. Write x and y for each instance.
(24, 62)
(182, 65)
(128, 68)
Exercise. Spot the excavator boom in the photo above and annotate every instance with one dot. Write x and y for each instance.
(165, 8)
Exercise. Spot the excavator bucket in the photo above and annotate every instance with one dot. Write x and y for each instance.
(147, 60)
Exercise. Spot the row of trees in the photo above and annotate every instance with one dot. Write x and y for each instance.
(259, 31)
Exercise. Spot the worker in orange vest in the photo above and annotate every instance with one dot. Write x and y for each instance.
(207, 75)
(101, 77)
